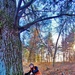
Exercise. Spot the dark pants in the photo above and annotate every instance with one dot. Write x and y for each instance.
(28, 74)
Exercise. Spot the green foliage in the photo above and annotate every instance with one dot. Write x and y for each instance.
(5, 19)
(73, 30)
(25, 54)
(1, 24)
(1, 12)
(9, 21)
(1, 18)
(42, 45)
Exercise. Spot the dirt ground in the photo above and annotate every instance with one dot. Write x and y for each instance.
(59, 69)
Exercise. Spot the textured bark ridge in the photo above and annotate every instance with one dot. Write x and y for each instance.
(12, 52)
(10, 41)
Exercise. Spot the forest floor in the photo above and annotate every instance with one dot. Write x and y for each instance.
(48, 69)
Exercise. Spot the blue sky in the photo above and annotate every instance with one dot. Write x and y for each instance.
(53, 24)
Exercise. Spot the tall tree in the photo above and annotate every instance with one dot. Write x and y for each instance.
(9, 28)
(11, 44)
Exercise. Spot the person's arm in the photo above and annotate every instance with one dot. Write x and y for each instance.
(29, 71)
(36, 69)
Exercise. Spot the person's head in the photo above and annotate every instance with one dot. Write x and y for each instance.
(31, 65)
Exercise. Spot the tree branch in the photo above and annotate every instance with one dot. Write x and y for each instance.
(16, 13)
(26, 5)
(21, 8)
(41, 19)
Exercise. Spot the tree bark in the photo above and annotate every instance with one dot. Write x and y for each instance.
(11, 46)
(12, 52)
(31, 57)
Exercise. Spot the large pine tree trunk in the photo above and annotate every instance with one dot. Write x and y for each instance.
(12, 52)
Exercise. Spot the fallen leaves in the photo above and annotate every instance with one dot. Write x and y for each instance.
(59, 69)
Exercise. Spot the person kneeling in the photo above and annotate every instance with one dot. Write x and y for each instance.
(33, 70)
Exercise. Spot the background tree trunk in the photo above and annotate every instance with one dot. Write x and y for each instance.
(31, 57)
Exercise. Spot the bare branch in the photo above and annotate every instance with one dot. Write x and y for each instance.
(26, 5)
(41, 19)
(22, 8)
